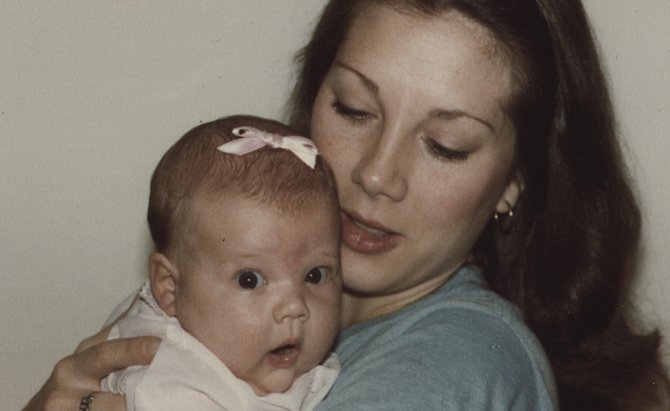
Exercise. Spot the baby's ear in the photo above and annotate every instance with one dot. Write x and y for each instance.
(164, 276)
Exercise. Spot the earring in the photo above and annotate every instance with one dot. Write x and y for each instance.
(503, 221)
(506, 216)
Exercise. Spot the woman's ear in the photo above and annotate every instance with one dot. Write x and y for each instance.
(164, 276)
(510, 196)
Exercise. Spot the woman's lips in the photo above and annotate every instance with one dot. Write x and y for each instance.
(366, 237)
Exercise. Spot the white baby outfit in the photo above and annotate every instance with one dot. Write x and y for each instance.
(185, 375)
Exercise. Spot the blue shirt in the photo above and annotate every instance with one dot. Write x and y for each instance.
(461, 348)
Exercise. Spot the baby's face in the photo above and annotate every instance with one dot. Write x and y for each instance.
(261, 289)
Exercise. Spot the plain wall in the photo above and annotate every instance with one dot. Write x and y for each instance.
(93, 93)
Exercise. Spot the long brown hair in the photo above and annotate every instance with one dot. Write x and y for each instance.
(566, 256)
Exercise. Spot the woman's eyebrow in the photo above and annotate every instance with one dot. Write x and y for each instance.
(368, 83)
(455, 114)
(444, 114)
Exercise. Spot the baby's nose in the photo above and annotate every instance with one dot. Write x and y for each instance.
(291, 305)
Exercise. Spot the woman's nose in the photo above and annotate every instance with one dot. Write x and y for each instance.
(381, 170)
(291, 306)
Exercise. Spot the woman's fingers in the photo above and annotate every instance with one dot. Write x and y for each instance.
(79, 374)
(99, 360)
(72, 401)
(101, 336)
(96, 339)
(105, 401)
(100, 401)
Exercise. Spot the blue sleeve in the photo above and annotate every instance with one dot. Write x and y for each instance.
(467, 360)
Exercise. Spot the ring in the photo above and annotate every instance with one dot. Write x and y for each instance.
(86, 402)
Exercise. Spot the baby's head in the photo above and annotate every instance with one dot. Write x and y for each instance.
(247, 252)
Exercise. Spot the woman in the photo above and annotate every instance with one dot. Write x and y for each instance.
(467, 138)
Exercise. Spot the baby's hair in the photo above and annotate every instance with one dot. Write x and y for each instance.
(193, 167)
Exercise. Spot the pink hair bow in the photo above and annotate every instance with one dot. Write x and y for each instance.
(252, 139)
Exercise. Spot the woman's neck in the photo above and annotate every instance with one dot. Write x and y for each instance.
(358, 308)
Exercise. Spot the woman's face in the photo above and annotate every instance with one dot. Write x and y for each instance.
(410, 117)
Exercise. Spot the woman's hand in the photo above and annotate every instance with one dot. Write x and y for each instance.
(79, 374)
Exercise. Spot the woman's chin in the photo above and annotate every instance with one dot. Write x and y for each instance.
(365, 274)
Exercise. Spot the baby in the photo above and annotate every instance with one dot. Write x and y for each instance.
(245, 280)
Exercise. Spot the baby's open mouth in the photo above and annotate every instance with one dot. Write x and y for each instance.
(284, 349)
(285, 355)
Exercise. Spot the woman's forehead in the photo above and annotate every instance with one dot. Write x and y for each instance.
(448, 61)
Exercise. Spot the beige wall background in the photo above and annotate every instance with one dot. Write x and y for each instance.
(92, 93)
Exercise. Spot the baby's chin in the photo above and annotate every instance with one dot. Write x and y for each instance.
(277, 382)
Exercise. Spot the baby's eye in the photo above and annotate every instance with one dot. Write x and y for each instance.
(250, 280)
(317, 275)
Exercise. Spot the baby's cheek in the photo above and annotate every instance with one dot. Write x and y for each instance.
(330, 298)
(329, 313)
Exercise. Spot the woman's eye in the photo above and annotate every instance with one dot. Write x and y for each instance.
(350, 112)
(443, 152)
(316, 275)
(250, 280)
